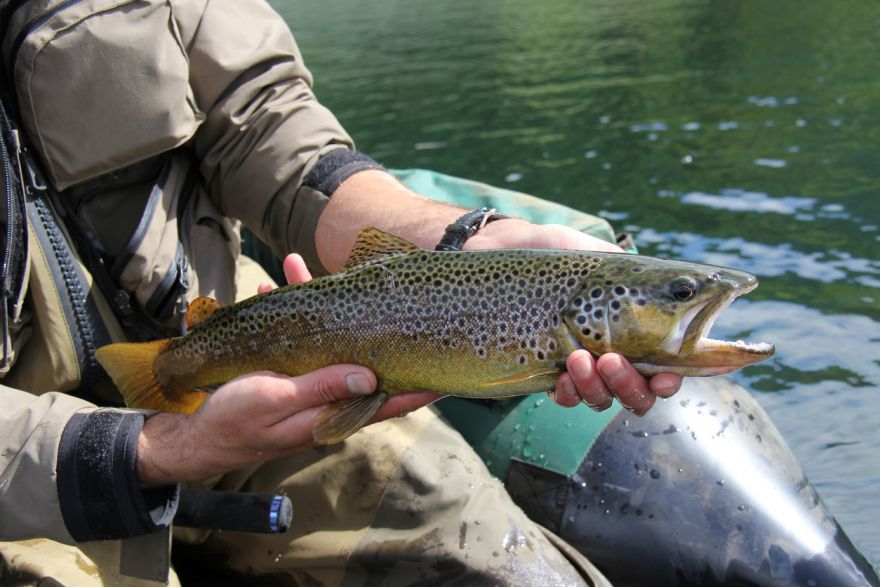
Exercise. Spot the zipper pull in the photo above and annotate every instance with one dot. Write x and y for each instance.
(185, 283)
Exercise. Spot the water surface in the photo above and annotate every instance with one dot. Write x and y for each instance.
(735, 133)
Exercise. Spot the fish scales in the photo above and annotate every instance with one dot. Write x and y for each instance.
(480, 324)
(424, 321)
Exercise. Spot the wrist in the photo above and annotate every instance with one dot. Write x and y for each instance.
(377, 199)
(163, 447)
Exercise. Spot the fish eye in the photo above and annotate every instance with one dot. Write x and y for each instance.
(683, 288)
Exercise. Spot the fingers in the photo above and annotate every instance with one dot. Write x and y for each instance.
(598, 382)
(295, 270)
(665, 384)
(404, 403)
(586, 380)
(630, 388)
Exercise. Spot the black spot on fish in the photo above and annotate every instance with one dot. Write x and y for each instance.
(586, 331)
(540, 355)
(616, 318)
(596, 293)
(619, 290)
(598, 336)
(615, 305)
(598, 314)
(641, 301)
(637, 269)
(571, 281)
(581, 319)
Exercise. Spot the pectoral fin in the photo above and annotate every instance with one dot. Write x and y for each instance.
(519, 378)
(341, 419)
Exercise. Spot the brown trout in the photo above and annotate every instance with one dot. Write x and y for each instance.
(489, 324)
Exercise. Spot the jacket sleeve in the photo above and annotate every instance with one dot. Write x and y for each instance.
(68, 471)
(264, 130)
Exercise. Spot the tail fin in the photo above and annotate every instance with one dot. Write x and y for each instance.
(130, 365)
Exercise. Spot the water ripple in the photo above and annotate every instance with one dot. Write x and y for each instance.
(737, 200)
(763, 259)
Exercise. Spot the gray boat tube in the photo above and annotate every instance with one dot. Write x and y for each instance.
(702, 490)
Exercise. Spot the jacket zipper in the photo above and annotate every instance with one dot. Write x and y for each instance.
(77, 296)
(11, 205)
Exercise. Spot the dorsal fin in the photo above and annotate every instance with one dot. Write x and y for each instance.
(373, 243)
(200, 310)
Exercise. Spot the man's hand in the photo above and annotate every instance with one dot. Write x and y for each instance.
(595, 382)
(255, 417)
(251, 419)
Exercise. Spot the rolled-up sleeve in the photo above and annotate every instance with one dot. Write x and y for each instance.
(264, 130)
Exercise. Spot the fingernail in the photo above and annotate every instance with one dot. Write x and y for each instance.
(358, 384)
(611, 368)
(665, 390)
(568, 389)
(582, 369)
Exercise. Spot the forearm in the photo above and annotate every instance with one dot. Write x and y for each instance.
(376, 199)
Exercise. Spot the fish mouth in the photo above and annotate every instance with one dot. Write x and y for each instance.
(701, 355)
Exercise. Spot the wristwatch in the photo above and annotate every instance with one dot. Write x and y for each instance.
(462, 229)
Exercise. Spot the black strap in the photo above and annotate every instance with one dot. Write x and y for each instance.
(464, 228)
(98, 488)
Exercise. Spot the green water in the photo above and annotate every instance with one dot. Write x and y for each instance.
(736, 133)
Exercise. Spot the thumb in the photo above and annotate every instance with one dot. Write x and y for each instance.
(330, 384)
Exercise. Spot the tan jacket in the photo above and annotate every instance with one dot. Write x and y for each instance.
(118, 97)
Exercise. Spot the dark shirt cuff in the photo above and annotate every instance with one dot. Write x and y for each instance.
(337, 166)
(98, 488)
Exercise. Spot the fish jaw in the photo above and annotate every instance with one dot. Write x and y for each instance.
(696, 353)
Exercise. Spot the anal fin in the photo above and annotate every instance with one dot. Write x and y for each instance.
(343, 418)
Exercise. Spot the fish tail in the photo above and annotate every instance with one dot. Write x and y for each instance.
(130, 365)
(343, 418)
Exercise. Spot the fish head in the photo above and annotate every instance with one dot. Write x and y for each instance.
(658, 313)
